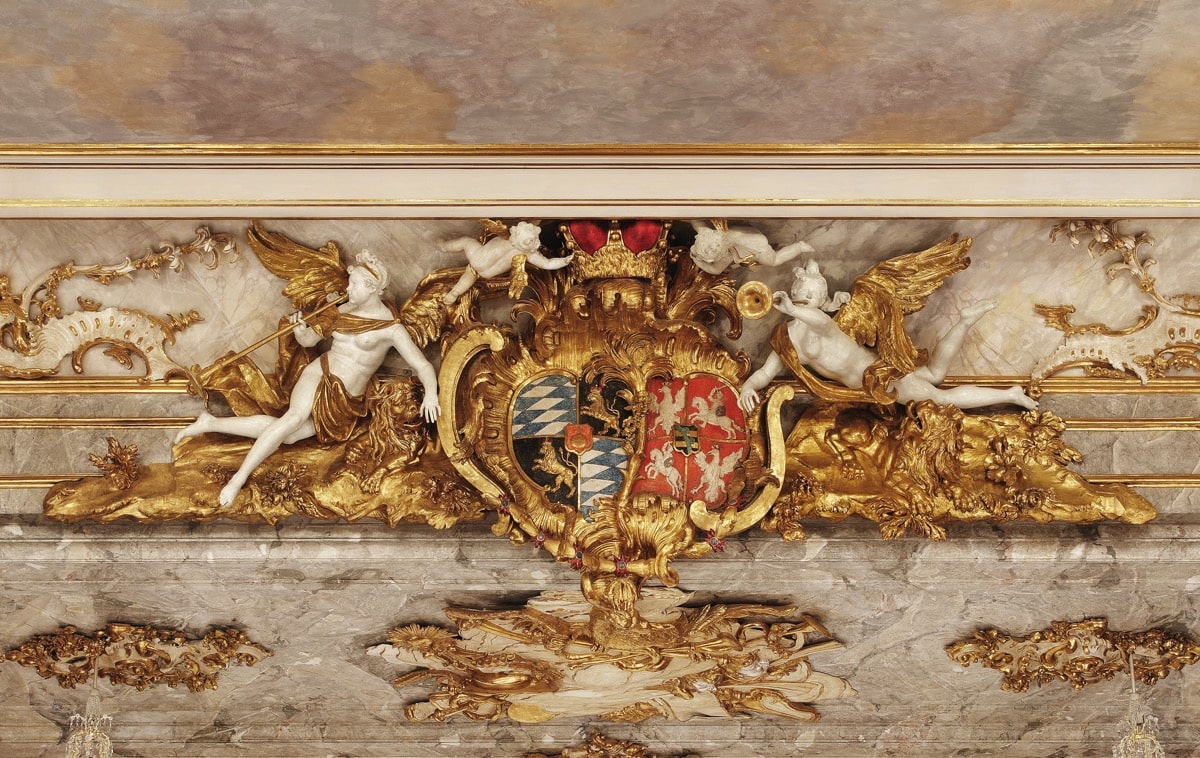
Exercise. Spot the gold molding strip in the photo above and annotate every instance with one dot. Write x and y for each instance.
(1081, 385)
(656, 202)
(1087, 385)
(38, 481)
(95, 422)
(606, 149)
(1132, 424)
(1157, 481)
(98, 386)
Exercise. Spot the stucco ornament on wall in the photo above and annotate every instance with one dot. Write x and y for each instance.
(1164, 337)
(607, 424)
(649, 658)
(37, 331)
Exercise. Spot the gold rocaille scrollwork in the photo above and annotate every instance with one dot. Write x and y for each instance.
(1076, 652)
(36, 333)
(137, 656)
(1165, 337)
(599, 746)
(564, 655)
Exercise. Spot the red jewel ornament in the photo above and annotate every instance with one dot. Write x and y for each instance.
(577, 561)
(539, 539)
(715, 542)
(621, 566)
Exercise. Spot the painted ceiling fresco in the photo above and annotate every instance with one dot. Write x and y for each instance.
(348, 72)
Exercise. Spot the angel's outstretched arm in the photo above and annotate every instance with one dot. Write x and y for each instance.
(549, 264)
(416, 360)
(749, 397)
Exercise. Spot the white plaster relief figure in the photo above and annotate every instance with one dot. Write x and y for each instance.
(329, 395)
(716, 249)
(818, 341)
(495, 257)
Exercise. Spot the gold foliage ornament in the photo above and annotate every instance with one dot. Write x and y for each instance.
(1076, 652)
(137, 656)
(599, 746)
(914, 469)
(651, 656)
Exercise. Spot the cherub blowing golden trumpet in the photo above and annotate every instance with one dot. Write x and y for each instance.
(838, 348)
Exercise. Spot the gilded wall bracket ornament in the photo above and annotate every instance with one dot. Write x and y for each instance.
(37, 331)
(1076, 652)
(563, 655)
(1165, 336)
(137, 656)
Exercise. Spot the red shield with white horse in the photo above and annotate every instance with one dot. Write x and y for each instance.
(695, 439)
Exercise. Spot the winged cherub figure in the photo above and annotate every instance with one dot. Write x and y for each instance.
(838, 347)
(718, 247)
(496, 256)
(329, 396)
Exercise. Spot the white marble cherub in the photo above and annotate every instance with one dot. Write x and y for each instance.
(495, 257)
(329, 395)
(718, 247)
(836, 347)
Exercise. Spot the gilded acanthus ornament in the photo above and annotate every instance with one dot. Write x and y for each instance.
(650, 656)
(137, 656)
(36, 333)
(119, 465)
(599, 746)
(914, 469)
(1078, 653)
(1163, 338)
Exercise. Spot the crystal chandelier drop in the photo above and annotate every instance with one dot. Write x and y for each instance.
(1137, 728)
(88, 738)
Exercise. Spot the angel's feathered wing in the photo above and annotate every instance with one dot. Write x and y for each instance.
(313, 275)
(884, 295)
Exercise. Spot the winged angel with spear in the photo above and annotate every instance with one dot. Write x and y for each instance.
(329, 396)
(839, 348)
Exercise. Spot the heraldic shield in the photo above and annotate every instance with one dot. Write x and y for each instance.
(567, 436)
(604, 425)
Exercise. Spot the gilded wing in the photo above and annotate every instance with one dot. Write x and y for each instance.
(884, 295)
(312, 275)
(492, 228)
(425, 312)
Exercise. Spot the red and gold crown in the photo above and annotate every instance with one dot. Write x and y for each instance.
(626, 249)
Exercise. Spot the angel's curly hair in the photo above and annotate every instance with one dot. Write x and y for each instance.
(367, 261)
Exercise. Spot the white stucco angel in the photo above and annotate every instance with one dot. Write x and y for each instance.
(717, 247)
(839, 348)
(329, 396)
(498, 255)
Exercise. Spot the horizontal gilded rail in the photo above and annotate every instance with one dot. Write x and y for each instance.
(1081, 385)
(95, 422)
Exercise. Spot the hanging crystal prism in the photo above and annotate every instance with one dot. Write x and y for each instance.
(88, 738)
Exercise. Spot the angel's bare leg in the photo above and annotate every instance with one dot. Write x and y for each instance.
(240, 426)
(460, 288)
(912, 388)
(952, 341)
(294, 425)
(287, 429)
